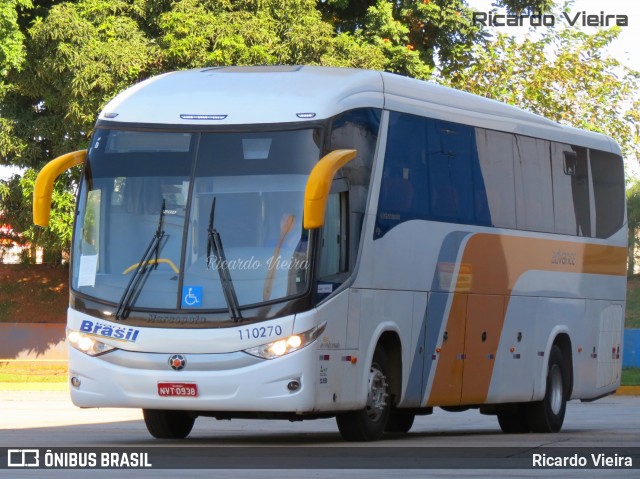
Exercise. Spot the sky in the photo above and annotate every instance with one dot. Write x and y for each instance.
(625, 48)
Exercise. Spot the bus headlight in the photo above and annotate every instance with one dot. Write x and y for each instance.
(87, 344)
(288, 345)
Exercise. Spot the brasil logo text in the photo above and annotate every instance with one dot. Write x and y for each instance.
(110, 331)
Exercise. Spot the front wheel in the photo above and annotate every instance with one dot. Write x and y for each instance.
(168, 424)
(400, 421)
(548, 415)
(368, 424)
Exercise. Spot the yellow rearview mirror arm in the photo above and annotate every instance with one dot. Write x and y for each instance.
(319, 185)
(44, 184)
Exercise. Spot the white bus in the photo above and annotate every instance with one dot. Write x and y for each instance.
(305, 242)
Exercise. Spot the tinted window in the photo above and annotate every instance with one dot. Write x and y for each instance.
(431, 171)
(442, 171)
(532, 174)
(608, 191)
(495, 152)
(570, 189)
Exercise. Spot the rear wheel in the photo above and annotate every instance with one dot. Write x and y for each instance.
(369, 424)
(513, 419)
(168, 424)
(548, 415)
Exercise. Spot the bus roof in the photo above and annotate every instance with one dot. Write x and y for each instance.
(288, 94)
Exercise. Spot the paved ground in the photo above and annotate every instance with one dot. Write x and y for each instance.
(48, 419)
(33, 418)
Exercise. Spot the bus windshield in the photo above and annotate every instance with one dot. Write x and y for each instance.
(136, 182)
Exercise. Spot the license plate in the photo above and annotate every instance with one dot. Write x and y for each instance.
(178, 389)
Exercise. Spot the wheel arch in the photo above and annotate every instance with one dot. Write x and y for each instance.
(563, 341)
(392, 345)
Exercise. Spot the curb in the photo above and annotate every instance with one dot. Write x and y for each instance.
(628, 391)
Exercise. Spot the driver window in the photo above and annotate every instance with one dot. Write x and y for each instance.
(91, 231)
(333, 266)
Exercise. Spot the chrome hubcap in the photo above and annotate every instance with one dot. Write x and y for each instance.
(377, 397)
(556, 389)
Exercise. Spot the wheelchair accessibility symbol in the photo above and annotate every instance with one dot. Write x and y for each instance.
(191, 296)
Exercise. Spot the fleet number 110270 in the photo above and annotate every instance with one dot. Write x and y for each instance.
(260, 332)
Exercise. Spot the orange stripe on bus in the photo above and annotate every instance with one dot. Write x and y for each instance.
(492, 266)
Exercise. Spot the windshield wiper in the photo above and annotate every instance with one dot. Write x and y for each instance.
(143, 267)
(214, 244)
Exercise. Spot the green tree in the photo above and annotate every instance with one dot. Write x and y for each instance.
(16, 196)
(415, 36)
(78, 57)
(633, 218)
(11, 37)
(211, 33)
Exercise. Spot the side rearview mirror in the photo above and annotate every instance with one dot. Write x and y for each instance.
(44, 184)
(319, 186)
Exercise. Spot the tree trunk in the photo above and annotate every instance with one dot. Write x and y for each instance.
(33, 253)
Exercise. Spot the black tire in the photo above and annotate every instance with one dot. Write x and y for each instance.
(400, 422)
(168, 424)
(369, 424)
(548, 415)
(513, 419)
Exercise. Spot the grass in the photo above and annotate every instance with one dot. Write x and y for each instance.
(632, 315)
(14, 372)
(631, 377)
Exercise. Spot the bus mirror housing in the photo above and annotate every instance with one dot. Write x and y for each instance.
(44, 184)
(319, 186)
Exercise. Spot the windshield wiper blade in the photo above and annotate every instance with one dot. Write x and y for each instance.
(143, 267)
(214, 244)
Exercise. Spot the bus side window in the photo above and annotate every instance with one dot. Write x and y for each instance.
(358, 130)
(495, 156)
(607, 171)
(334, 259)
(532, 174)
(570, 174)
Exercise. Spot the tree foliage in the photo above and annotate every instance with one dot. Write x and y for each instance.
(16, 199)
(11, 37)
(414, 35)
(195, 33)
(79, 56)
(633, 219)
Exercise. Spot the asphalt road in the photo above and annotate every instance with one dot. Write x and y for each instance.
(49, 420)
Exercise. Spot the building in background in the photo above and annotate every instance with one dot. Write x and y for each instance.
(12, 249)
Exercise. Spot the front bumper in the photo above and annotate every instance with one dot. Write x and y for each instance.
(226, 381)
